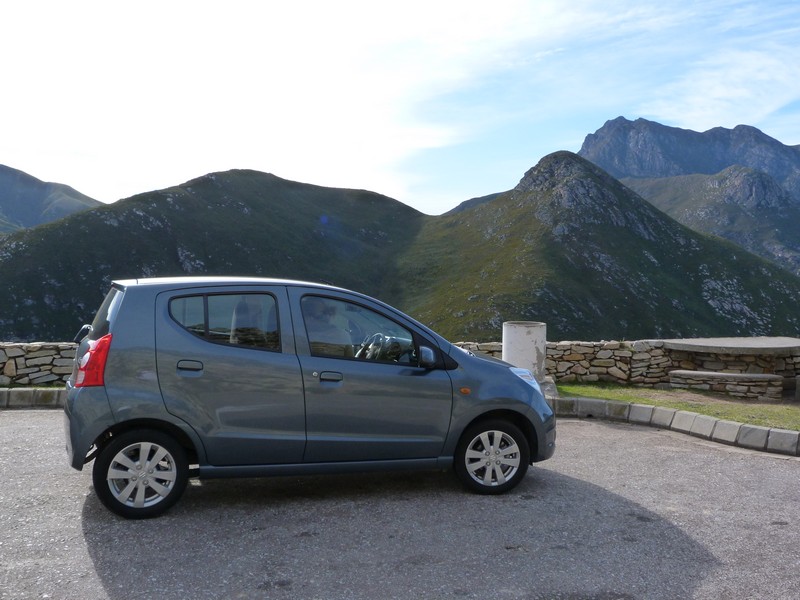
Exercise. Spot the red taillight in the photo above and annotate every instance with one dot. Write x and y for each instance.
(93, 364)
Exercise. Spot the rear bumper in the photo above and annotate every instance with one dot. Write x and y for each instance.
(87, 414)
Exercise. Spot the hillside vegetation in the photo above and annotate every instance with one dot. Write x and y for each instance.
(573, 247)
(239, 222)
(569, 245)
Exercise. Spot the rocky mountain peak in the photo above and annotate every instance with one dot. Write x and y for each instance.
(642, 148)
(739, 184)
(568, 194)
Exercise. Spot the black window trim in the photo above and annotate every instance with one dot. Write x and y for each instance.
(206, 337)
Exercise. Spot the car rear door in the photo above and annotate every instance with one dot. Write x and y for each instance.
(226, 365)
(361, 408)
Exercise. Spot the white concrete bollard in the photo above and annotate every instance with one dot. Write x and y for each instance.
(525, 346)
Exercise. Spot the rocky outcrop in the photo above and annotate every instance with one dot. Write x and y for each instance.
(740, 204)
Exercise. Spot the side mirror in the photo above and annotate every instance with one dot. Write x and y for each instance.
(427, 358)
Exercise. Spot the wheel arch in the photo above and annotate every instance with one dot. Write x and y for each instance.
(516, 419)
(174, 431)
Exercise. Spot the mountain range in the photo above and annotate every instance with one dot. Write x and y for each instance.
(568, 245)
(26, 201)
(739, 184)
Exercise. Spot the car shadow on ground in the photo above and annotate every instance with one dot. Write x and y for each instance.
(395, 535)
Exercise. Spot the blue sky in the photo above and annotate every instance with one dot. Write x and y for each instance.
(430, 103)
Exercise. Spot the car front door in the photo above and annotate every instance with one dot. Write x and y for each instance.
(226, 365)
(366, 396)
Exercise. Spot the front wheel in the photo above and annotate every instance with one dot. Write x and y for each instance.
(492, 457)
(140, 474)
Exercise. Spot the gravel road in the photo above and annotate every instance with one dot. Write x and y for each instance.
(620, 512)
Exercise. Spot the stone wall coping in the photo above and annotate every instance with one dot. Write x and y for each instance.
(736, 346)
(700, 375)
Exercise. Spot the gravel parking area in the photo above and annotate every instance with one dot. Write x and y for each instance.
(620, 512)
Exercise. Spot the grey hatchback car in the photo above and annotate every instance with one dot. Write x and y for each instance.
(242, 377)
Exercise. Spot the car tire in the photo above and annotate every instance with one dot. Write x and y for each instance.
(492, 457)
(140, 474)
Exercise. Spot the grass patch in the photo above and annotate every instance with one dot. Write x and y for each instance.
(780, 415)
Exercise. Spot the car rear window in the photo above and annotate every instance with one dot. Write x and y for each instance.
(106, 314)
(238, 319)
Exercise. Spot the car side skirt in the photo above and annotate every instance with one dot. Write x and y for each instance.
(422, 464)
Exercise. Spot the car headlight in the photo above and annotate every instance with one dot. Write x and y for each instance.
(526, 376)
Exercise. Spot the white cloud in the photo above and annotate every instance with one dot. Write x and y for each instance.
(116, 99)
(738, 64)
(158, 92)
(730, 86)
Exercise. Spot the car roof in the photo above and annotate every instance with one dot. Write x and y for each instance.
(208, 280)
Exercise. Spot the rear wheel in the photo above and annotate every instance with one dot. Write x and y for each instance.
(492, 457)
(140, 474)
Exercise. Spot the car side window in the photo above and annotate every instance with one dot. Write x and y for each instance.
(236, 319)
(343, 329)
(190, 313)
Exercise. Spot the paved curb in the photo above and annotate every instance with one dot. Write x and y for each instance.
(753, 437)
(28, 397)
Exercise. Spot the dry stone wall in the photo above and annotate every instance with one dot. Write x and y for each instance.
(35, 363)
(642, 362)
(651, 363)
(787, 365)
(759, 386)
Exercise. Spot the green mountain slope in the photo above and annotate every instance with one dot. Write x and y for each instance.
(569, 245)
(239, 222)
(742, 205)
(573, 247)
